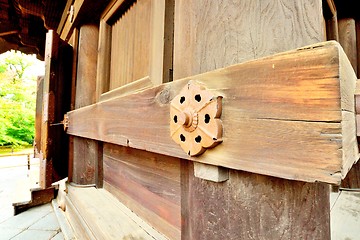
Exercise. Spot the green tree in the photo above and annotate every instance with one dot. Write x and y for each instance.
(17, 99)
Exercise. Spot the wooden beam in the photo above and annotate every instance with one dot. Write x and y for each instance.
(84, 12)
(290, 115)
(2, 34)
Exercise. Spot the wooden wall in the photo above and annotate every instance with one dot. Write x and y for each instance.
(209, 35)
(163, 190)
(147, 183)
(130, 45)
(141, 48)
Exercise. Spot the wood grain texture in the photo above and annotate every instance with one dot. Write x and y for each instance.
(104, 57)
(111, 220)
(352, 179)
(347, 39)
(130, 45)
(136, 41)
(136, 86)
(211, 34)
(86, 65)
(290, 104)
(38, 114)
(251, 206)
(85, 152)
(147, 183)
(86, 155)
(56, 102)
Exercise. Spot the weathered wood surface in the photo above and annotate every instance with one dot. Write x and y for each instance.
(107, 221)
(290, 116)
(130, 45)
(56, 102)
(214, 34)
(85, 11)
(251, 206)
(38, 115)
(86, 153)
(347, 39)
(147, 183)
(135, 42)
(86, 65)
(330, 15)
(352, 179)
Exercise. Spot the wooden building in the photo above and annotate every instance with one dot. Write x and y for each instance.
(194, 119)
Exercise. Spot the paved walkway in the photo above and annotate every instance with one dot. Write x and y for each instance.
(38, 223)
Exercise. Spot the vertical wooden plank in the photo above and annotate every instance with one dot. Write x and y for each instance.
(74, 42)
(358, 46)
(352, 179)
(141, 57)
(99, 169)
(168, 41)
(209, 35)
(56, 102)
(103, 61)
(251, 206)
(330, 13)
(38, 114)
(85, 151)
(157, 41)
(347, 39)
(85, 159)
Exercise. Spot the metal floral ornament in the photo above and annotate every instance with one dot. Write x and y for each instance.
(194, 119)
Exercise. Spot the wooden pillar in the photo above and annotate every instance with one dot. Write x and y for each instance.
(347, 39)
(252, 206)
(349, 32)
(209, 35)
(86, 152)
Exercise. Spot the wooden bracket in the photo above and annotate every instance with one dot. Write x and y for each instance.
(194, 119)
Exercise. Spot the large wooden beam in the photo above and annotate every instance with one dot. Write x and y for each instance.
(290, 115)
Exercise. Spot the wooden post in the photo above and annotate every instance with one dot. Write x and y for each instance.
(347, 39)
(28, 161)
(56, 101)
(247, 206)
(86, 154)
(251, 206)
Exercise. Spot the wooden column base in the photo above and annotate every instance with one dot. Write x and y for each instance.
(252, 206)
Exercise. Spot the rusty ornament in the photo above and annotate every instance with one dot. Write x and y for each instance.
(194, 119)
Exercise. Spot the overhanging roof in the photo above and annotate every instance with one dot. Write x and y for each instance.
(24, 23)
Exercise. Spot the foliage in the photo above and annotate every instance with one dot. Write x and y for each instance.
(17, 99)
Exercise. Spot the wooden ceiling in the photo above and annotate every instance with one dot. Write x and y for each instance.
(24, 23)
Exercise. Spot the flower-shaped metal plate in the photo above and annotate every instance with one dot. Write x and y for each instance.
(194, 119)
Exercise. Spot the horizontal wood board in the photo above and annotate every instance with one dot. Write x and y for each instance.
(147, 183)
(105, 217)
(282, 116)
